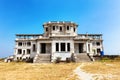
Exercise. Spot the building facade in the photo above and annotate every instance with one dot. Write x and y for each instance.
(60, 39)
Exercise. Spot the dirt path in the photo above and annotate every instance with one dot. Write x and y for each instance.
(81, 74)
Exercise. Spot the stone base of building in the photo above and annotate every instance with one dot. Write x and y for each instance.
(46, 58)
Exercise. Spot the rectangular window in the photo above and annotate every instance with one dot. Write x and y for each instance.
(19, 43)
(53, 27)
(68, 28)
(60, 28)
(28, 43)
(34, 47)
(46, 29)
(68, 46)
(74, 29)
(98, 43)
(62, 46)
(98, 50)
(57, 46)
(19, 51)
(23, 52)
(28, 51)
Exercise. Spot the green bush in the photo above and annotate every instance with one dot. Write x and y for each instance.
(105, 59)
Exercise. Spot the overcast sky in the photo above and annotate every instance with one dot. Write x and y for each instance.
(27, 16)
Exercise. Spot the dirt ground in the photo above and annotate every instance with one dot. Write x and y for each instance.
(61, 71)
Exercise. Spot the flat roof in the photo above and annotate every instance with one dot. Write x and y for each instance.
(29, 34)
(60, 22)
(90, 34)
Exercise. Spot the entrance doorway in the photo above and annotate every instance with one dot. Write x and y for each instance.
(80, 47)
(43, 48)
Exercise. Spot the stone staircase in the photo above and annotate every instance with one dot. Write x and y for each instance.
(83, 57)
(42, 58)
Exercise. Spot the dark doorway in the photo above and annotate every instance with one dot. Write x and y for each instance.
(81, 47)
(43, 48)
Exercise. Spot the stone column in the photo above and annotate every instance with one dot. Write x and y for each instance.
(59, 47)
(91, 48)
(87, 51)
(38, 48)
(72, 47)
(66, 47)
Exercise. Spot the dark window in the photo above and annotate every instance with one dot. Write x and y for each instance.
(68, 28)
(98, 43)
(20, 58)
(74, 29)
(53, 27)
(57, 46)
(34, 47)
(17, 58)
(60, 28)
(98, 50)
(23, 52)
(68, 46)
(46, 29)
(19, 51)
(62, 46)
(28, 51)
(28, 43)
(19, 43)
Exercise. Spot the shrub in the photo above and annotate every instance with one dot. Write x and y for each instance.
(117, 58)
(105, 59)
(57, 60)
(68, 60)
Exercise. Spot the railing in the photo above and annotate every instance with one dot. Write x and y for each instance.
(88, 37)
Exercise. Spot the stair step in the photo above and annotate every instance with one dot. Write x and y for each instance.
(42, 58)
(82, 57)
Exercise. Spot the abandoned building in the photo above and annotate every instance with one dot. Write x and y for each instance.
(60, 39)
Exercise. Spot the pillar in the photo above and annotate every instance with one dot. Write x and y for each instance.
(87, 47)
(72, 47)
(38, 48)
(66, 47)
(59, 47)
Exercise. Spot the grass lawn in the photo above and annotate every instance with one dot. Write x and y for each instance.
(62, 71)
(31, 71)
(108, 70)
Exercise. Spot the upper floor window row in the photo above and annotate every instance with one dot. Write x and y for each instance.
(96, 43)
(60, 28)
(24, 43)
